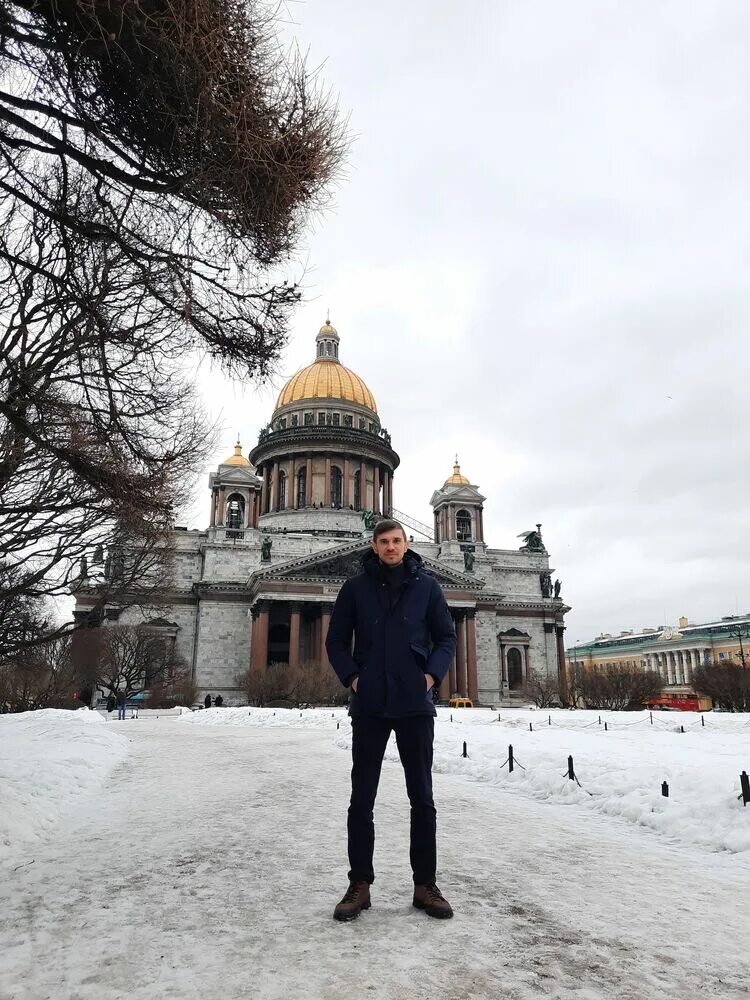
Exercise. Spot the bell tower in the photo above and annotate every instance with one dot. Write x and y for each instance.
(458, 510)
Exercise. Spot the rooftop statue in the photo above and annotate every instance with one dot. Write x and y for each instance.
(533, 540)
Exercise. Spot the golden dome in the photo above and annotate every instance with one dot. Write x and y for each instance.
(238, 458)
(456, 479)
(326, 378)
(327, 330)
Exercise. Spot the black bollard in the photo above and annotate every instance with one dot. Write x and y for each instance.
(571, 772)
(498, 716)
(745, 786)
(605, 727)
(665, 789)
(682, 729)
(464, 754)
(600, 720)
(549, 720)
(451, 717)
(337, 725)
(510, 759)
(651, 717)
(531, 728)
(703, 721)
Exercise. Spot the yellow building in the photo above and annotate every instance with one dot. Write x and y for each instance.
(674, 653)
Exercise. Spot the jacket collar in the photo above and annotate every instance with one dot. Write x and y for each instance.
(412, 564)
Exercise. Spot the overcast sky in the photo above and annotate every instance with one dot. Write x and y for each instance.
(538, 258)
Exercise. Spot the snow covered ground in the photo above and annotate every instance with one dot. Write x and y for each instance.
(201, 856)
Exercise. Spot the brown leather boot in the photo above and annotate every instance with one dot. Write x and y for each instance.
(356, 898)
(430, 899)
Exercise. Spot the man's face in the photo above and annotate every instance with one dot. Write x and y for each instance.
(390, 547)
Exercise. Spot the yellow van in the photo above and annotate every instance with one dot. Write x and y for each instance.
(460, 703)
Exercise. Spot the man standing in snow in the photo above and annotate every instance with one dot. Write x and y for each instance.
(121, 704)
(394, 610)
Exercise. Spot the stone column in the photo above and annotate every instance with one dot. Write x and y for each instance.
(471, 655)
(525, 663)
(503, 666)
(325, 617)
(327, 483)
(263, 489)
(480, 525)
(308, 482)
(670, 667)
(294, 623)
(363, 487)
(255, 499)
(214, 502)
(376, 489)
(259, 643)
(292, 484)
(444, 692)
(222, 496)
(273, 503)
(346, 492)
(562, 666)
(452, 676)
(461, 682)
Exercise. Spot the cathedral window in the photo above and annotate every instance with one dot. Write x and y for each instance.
(282, 491)
(463, 526)
(308, 419)
(361, 423)
(337, 481)
(347, 420)
(302, 488)
(336, 419)
(235, 516)
(321, 418)
(295, 420)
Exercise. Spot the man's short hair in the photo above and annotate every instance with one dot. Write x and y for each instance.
(387, 524)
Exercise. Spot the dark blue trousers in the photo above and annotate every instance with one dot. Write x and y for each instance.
(414, 736)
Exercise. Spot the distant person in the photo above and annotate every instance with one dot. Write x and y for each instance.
(121, 702)
(111, 702)
(395, 611)
(218, 701)
(207, 701)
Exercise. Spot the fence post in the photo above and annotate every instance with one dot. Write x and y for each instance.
(703, 721)
(337, 725)
(745, 785)
(464, 754)
(605, 727)
(510, 759)
(498, 716)
(665, 789)
(549, 720)
(531, 728)
(600, 720)
(651, 717)
(682, 729)
(571, 772)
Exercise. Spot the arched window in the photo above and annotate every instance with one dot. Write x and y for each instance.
(302, 487)
(337, 481)
(282, 491)
(515, 670)
(463, 526)
(357, 490)
(235, 516)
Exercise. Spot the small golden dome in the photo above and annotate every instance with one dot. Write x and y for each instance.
(326, 378)
(238, 458)
(456, 479)
(327, 330)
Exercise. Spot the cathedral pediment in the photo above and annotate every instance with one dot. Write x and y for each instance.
(345, 561)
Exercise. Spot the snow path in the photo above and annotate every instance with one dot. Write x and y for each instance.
(210, 865)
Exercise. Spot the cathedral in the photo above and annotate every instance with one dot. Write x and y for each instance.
(290, 523)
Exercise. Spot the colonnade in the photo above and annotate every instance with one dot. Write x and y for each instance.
(300, 472)
(462, 678)
(676, 666)
(310, 631)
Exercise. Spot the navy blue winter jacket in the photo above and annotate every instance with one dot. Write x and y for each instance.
(394, 647)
